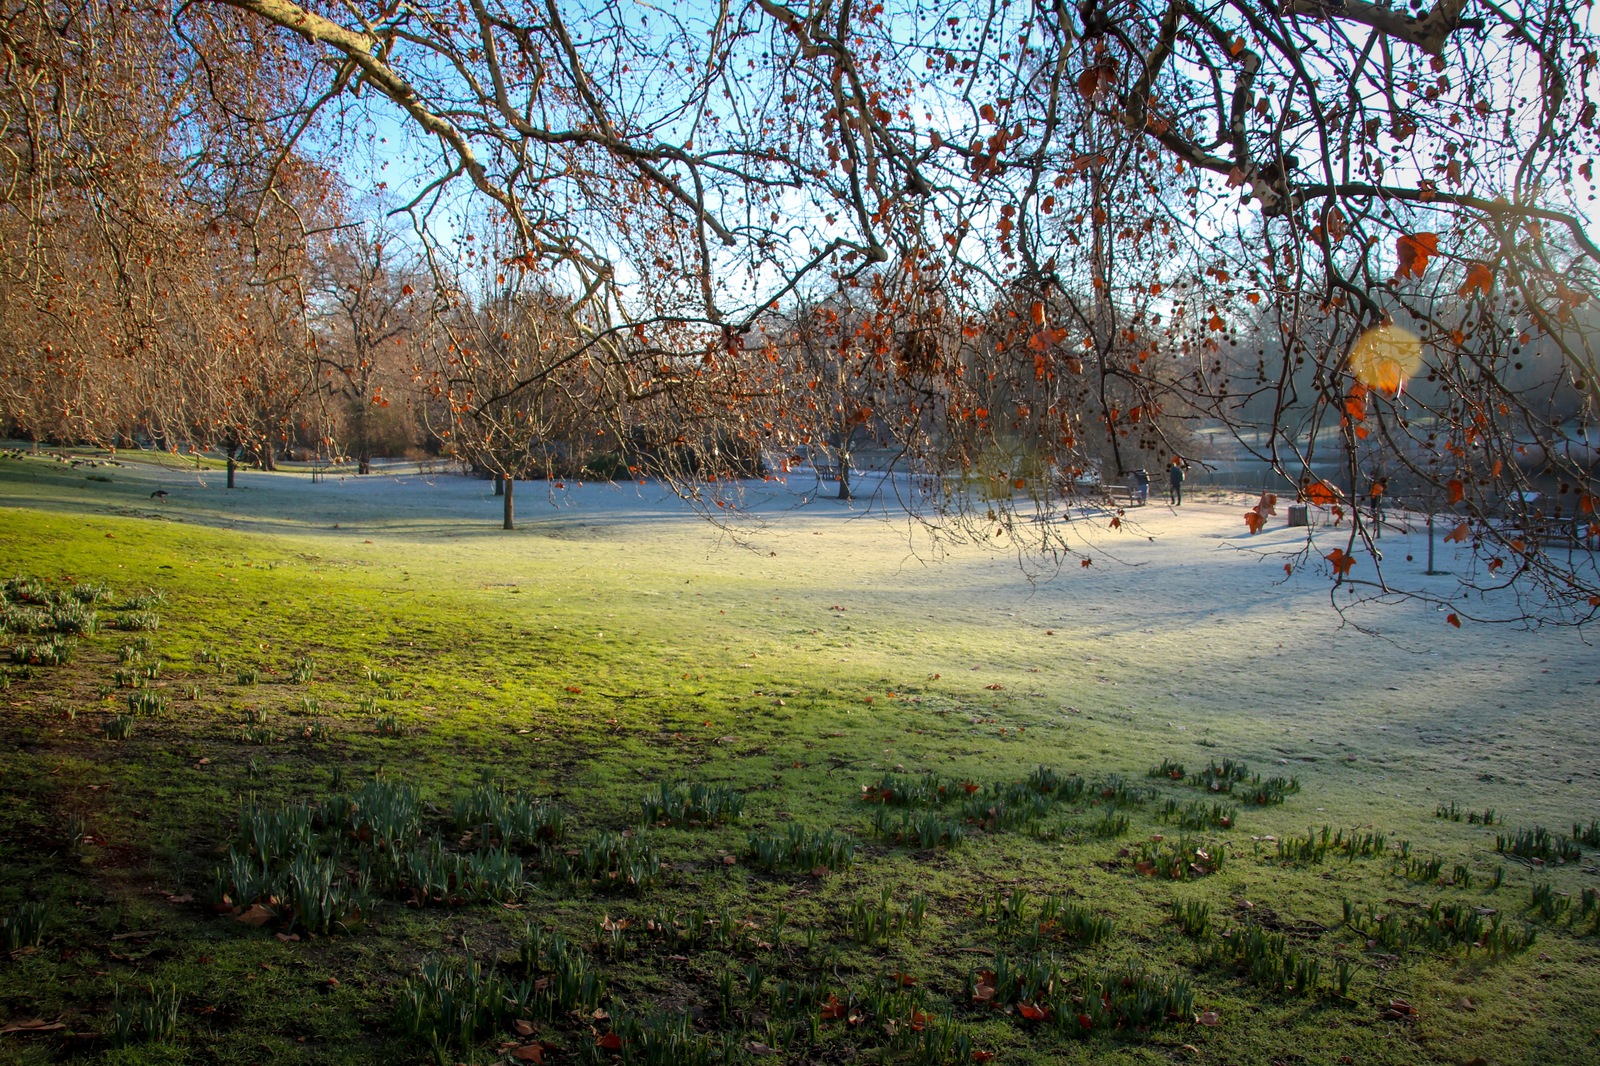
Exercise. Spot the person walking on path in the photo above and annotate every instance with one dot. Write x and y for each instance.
(1141, 486)
(1175, 481)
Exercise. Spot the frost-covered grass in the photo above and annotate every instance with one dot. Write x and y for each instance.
(616, 643)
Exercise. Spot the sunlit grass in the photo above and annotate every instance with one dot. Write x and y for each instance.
(595, 669)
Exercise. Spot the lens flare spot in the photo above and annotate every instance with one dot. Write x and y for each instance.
(1385, 356)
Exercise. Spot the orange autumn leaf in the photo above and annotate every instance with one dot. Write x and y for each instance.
(1038, 312)
(1321, 493)
(1457, 535)
(1097, 79)
(1479, 279)
(1414, 250)
(1456, 490)
(1355, 404)
(1453, 620)
(832, 1008)
(1341, 561)
(1254, 520)
(1033, 1012)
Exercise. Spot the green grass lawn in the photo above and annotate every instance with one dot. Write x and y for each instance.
(398, 786)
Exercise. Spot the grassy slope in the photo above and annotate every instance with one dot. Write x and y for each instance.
(586, 663)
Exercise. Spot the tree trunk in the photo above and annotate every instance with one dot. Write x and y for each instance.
(499, 485)
(363, 464)
(844, 476)
(232, 464)
(510, 484)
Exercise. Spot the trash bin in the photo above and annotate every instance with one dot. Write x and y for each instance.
(1298, 515)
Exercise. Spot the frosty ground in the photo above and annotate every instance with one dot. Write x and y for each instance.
(1183, 629)
(770, 638)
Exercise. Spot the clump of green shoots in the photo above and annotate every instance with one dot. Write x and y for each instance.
(153, 1017)
(798, 848)
(1539, 845)
(691, 805)
(22, 926)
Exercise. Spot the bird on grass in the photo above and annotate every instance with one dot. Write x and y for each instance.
(159, 494)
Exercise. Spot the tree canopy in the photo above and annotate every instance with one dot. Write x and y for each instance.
(1036, 235)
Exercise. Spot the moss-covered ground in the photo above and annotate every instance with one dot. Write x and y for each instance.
(303, 650)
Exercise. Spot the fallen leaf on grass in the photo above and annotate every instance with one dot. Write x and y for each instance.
(1398, 1010)
(530, 1053)
(256, 915)
(1210, 1018)
(32, 1025)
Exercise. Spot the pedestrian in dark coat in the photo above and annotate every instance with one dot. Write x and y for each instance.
(1141, 486)
(1175, 481)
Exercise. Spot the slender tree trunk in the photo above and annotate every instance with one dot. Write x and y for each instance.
(499, 485)
(509, 484)
(844, 476)
(233, 451)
